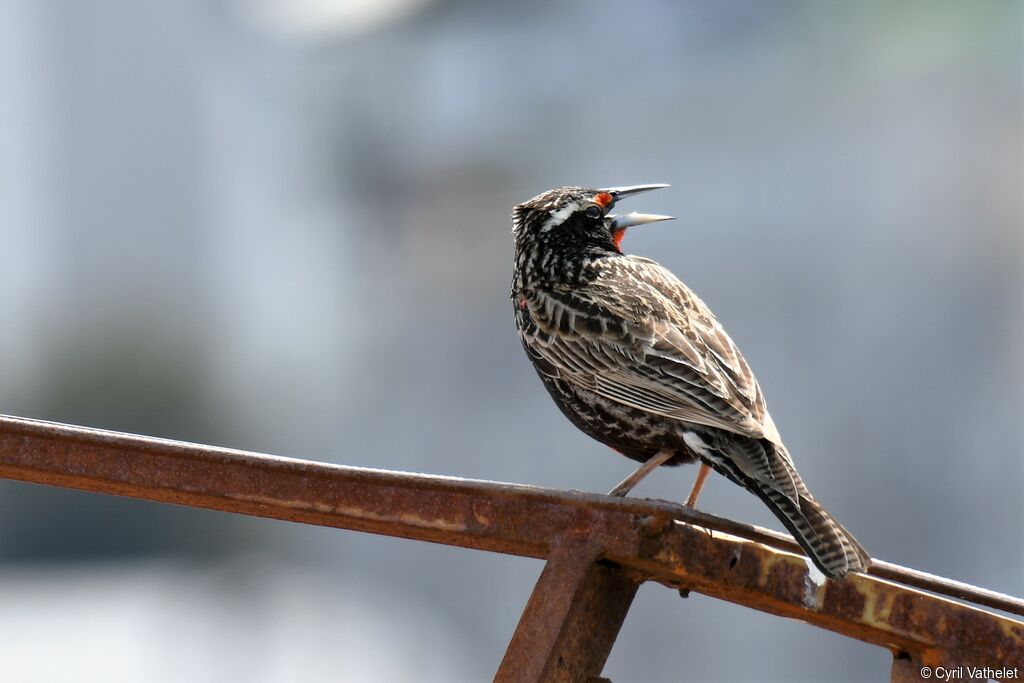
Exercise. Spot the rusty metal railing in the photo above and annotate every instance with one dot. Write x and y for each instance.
(598, 549)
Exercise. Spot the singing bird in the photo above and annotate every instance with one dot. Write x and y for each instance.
(637, 361)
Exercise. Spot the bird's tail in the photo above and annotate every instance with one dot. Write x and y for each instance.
(832, 548)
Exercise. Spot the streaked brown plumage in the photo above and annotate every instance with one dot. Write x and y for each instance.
(636, 360)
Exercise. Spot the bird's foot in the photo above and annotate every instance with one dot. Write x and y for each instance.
(620, 491)
(627, 484)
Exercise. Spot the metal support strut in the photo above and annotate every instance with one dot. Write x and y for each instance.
(571, 620)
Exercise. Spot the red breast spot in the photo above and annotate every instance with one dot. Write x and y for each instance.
(603, 199)
(522, 303)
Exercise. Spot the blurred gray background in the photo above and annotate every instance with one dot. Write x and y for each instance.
(284, 226)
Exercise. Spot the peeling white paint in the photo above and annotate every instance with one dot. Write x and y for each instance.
(814, 580)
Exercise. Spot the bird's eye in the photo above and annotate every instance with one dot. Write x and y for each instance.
(593, 211)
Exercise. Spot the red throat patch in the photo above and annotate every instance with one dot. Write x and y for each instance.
(617, 238)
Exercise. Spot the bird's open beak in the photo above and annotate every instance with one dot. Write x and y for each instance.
(628, 220)
(618, 193)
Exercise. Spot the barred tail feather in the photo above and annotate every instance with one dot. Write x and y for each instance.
(832, 548)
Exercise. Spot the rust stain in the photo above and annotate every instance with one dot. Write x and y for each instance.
(409, 518)
(843, 599)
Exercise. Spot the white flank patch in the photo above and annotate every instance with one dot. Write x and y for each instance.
(558, 217)
(696, 444)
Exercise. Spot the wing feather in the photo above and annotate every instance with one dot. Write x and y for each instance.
(635, 334)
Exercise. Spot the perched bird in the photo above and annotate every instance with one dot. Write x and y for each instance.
(635, 360)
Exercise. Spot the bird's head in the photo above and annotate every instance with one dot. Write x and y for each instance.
(579, 215)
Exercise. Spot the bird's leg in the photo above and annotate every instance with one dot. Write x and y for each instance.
(627, 484)
(698, 484)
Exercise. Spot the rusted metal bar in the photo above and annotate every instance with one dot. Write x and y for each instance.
(572, 618)
(661, 541)
(879, 568)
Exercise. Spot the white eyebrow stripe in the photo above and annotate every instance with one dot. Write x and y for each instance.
(558, 217)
